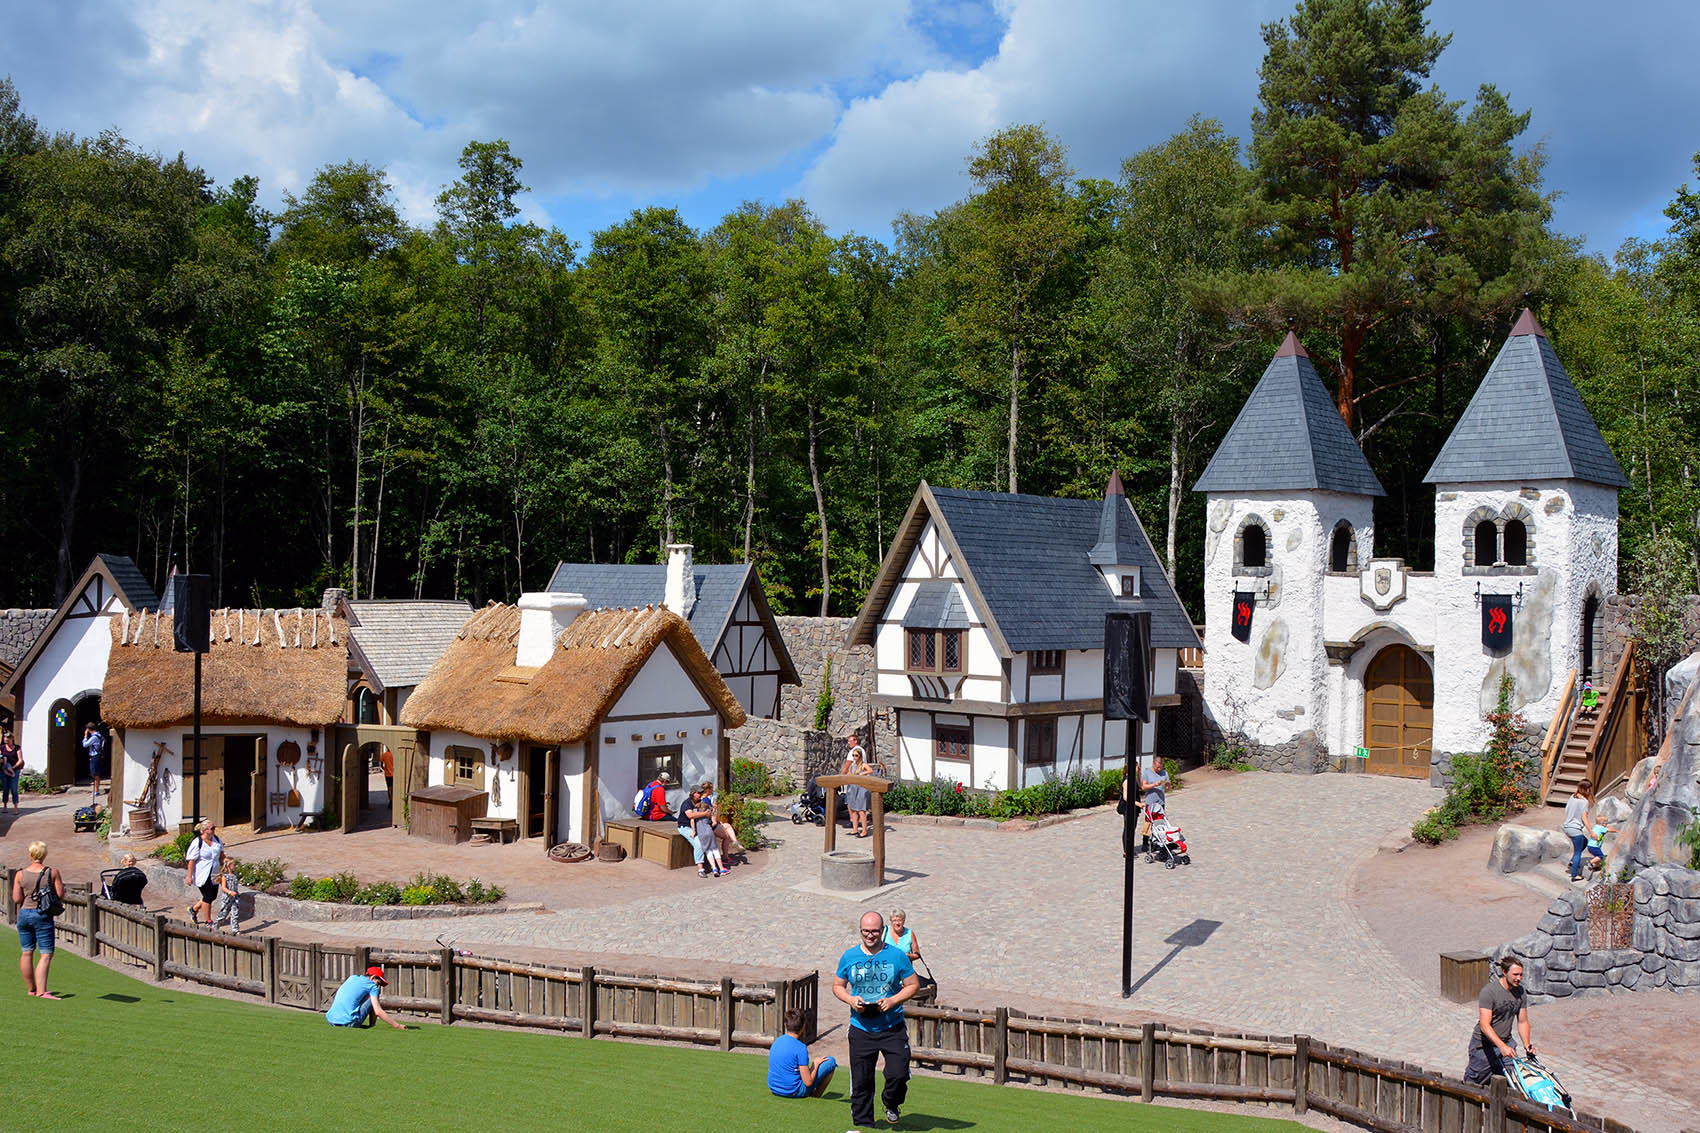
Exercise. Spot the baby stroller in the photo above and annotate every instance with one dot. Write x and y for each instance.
(1167, 842)
(1535, 1082)
(810, 805)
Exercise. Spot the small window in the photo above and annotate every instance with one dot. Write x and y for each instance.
(1042, 742)
(1130, 582)
(934, 650)
(652, 761)
(1256, 545)
(1340, 551)
(951, 741)
(1516, 543)
(1047, 661)
(463, 766)
(365, 707)
(1487, 543)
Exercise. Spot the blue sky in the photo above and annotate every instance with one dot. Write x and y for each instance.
(864, 110)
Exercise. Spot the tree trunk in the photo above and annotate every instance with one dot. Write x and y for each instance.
(666, 488)
(378, 519)
(357, 429)
(1351, 339)
(70, 489)
(1173, 525)
(1014, 405)
(750, 477)
(820, 511)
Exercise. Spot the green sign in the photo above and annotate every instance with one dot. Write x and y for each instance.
(1360, 753)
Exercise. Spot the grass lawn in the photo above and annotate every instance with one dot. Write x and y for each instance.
(120, 1053)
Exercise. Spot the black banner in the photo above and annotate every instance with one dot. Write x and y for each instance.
(1496, 623)
(1127, 645)
(1244, 603)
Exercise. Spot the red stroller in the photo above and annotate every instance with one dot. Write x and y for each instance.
(1167, 842)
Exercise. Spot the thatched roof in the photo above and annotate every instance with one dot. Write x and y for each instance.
(476, 688)
(286, 667)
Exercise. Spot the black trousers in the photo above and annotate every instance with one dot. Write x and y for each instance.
(865, 1050)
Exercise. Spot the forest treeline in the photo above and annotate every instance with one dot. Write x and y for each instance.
(329, 394)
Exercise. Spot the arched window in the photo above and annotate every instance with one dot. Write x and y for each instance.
(1515, 543)
(1256, 547)
(1487, 543)
(1342, 550)
(365, 707)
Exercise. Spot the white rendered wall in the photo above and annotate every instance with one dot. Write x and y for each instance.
(138, 746)
(72, 663)
(569, 806)
(1573, 545)
(1279, 680)
(661, 701)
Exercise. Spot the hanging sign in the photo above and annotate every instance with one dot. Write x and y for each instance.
(1244, 602)
(1496, 622)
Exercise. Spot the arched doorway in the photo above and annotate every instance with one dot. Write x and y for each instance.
(66, 764)
(1399, 713)
(1590, 617)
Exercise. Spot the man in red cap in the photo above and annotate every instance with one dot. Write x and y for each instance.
(356, 1001)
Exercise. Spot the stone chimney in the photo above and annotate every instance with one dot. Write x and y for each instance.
(681, 593)
(332, 598)
(543, 617)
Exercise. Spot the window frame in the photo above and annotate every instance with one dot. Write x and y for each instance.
(955, 736)
(454, 755)
(1040, 746)
(935, 641)
(655, 758)
(1047, 662)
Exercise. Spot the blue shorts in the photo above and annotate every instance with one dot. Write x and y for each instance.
(35, 932)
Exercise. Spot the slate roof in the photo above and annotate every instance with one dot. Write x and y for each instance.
(128, 578)
(936, 605)
(1289, 437)
(1526, 422)
(621, 586)
(399, 640)
(1025, 562)
(1119, 533)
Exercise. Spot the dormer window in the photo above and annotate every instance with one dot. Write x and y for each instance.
(1130, 582)
(934, 650)
(1046, 661)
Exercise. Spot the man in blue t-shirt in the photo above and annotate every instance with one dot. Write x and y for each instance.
(356, 1001)
(875, 979)
(790, 1074)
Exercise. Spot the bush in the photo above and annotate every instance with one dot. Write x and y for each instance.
(446, 890)
(746, 817)
(1229, 757)
(32, 783)
(176, 851)
(259, 875)
(103, 828)
(751, 777)
(418, 895)
(301, 887)
(1484, 787)
(823, 705)
(378, 893)
(1690, 836)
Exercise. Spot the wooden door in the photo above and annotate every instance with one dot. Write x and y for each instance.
(257, 786)
(1399, 713)
(63, 738)
(353, 774)
(210, 772)
(551, 796)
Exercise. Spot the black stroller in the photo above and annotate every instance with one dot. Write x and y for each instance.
(810, 805)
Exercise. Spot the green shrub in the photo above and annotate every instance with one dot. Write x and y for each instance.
(751, 777)
(446, 890)
(32, 783)
(301, 887)
(176, 851)
(103, 828)
(418, 895)
(261, 874)
(1690, 836)
(1434, 828)
(823, 705)
(323, 889)
(1230, 757)
(378, 893)
(746, 817)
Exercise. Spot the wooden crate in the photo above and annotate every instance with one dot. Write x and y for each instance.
(1463, 974)
(445, 814)
(623, 833)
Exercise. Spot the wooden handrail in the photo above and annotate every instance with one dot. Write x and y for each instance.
(1556, 731)
(1609, 710)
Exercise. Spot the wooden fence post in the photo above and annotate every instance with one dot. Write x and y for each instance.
(1301, 1074)
(446, 969)
(6, 897)
(362, 958)
(1495, 1119)
(93, 941)
(781, 1002)
(727, 1010)
(1000, 1047)
(1147, 1062)
(315, 975)
(268, 969)
(587, 1001)
(159, 947)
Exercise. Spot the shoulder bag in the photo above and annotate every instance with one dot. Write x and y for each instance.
(47, 901)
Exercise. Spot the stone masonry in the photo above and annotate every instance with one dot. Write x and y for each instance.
(18, 631)
(1665, 951)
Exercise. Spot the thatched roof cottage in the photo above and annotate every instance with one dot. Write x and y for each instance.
(559, 713)
(272, 686)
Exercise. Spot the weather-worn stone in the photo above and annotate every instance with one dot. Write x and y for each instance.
(1561, 960)
(1635, 787)
(1610, 810)
(1600, 961)
(1682, 973)
(1582, 978)
(1675, 948)
(1682, 883)
(1652, 962)
(1683, 909)
(1517, 848)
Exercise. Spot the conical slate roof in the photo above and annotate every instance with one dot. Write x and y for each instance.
(1526, 422)
(1289, 437)
(1118, 531)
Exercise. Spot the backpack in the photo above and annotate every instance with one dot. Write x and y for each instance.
(47, 901)
(643, 801)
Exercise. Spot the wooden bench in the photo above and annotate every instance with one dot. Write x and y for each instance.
(501, 830)
(657, 841)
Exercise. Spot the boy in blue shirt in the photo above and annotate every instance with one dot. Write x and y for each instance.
(356, 1001)
(790, 1074)
(874, 979)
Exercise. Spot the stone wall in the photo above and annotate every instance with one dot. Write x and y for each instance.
(781, 743)
(1618, 621)
(18, 631)
(1559, 961)
(1526, 747)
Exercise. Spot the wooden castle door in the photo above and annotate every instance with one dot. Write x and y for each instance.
(1399, 713)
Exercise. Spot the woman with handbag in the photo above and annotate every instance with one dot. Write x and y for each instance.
(900, 936)
(37, 893)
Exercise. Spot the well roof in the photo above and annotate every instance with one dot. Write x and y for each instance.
(283, 667)
(477, 689)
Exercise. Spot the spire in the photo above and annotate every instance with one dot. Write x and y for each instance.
(1114, 488)
(1527, 324)
(1117, 527)
(1290, 347)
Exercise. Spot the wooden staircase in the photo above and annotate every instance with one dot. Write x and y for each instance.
(1573, 757)
(1605, 745)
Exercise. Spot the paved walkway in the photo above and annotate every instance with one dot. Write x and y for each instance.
(1263, 932)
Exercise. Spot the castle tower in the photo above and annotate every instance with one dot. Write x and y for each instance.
(1289, 501)
(1525, 510)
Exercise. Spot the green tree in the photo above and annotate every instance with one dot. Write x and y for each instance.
(1380, 205)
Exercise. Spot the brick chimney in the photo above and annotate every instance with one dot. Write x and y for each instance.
(681, 593)
(543, 617)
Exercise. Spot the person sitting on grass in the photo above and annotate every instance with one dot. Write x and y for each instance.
(356, 1001)
(790, 1074)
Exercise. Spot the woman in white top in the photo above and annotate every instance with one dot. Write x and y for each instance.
(1577, 823)
(900, 937)
(205, 860)
(857, 800)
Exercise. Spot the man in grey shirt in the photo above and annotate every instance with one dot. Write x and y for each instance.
(1501, 1008)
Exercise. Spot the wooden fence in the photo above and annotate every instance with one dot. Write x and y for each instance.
(1152, 1061)
(446, 983)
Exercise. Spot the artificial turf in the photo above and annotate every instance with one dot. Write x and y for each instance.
(120, 1053)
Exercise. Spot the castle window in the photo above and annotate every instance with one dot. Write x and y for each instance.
(1487, 543)
(1515, 543)
(1251, 547)
(1342, 549)
(1256, 548)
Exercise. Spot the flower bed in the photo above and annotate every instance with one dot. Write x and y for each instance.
(1054, 796)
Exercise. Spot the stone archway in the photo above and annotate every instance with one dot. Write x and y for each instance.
(1399, 713)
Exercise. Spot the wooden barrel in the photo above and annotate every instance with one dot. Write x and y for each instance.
(141, 823)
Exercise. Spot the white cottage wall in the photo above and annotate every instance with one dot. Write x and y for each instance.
(70, 666)
(174, 804)
(569, 806)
